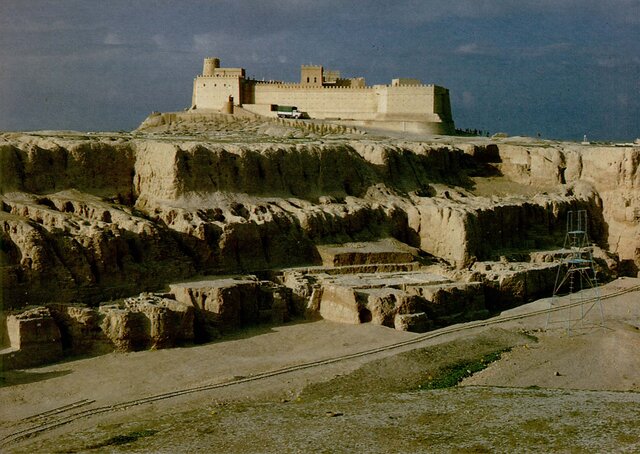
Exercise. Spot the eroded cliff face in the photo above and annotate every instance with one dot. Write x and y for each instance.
(614, 173)
(86, 219)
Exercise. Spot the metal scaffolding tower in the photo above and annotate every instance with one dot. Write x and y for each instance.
(576, 277)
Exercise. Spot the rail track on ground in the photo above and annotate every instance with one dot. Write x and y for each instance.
(60, 416)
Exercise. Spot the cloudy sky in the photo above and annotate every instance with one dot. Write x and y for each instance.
(561, 68)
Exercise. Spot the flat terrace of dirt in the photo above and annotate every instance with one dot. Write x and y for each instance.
(551, 390)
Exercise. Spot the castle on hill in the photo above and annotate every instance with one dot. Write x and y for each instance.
(405, 104)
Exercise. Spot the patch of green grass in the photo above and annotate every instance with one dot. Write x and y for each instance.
(453, 375)
(124, 439)
(535, 425)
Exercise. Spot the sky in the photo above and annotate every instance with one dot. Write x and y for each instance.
(558, 68)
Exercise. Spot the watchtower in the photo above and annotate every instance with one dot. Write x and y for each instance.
(210, 66)
(311, 75)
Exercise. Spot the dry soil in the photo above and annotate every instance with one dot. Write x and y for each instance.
(553, 390)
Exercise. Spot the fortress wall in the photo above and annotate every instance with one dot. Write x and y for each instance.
(406, 100)
(211, 92)
(320, 102)
(263, 110)
(424, 103)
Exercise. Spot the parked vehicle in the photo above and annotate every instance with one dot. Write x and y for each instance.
(288, 112)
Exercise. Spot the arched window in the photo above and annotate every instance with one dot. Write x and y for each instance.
(307, 80)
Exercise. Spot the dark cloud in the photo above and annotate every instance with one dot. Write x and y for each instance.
(559, 67)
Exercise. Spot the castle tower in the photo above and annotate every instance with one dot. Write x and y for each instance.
(210, 66)
(311, 75)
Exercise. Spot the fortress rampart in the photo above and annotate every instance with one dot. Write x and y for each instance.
(324, 95)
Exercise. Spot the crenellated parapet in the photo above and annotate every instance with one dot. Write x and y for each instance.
(218, 76)
(298, 86)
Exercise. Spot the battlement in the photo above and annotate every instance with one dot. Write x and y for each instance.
(300, 86)
(405, 86)
(295, 85)
(218, 76)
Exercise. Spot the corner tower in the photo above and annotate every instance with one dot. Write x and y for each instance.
(210, 66)
(217, 87)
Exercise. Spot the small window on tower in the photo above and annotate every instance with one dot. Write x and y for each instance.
(307, 80)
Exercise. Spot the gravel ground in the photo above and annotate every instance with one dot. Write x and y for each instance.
(470, 419)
